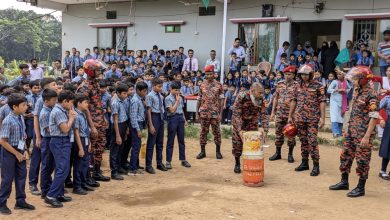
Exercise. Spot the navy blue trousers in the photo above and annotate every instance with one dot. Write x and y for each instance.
(156, 139)
(116, 149)
(61, 149)
(11, 171)
(125, 152)
(47, 166)
(135, 149)
(80, 165)
(35, 162)
(176, 127)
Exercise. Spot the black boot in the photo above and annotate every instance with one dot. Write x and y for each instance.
(290, 155)
(359, 190)
(303, 166)
(98, 176)
(90, 181)
(342, 185)
(277, 155)
(316, 169)
(237, 167)
(218, 152)
(202, 153)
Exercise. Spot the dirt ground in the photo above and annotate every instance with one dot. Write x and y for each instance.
(210, 190)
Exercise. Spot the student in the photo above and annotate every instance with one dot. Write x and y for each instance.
(80, 75)
(46, 83)
(137, 124)
(230, 97)
(283, 63)
(186, 90)
(60, 125)
(32, 98)
(365, 60)
(14, 155)
(176, 121)
(245, 80)
(124, 168)
(81, 147)
(155, 114)
(233, 64)
(47, 167)
(118, 134)
(292, 61)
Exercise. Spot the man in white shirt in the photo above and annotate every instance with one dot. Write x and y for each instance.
(35, 71)
(213, 61)
(239, 50)
(191, 63)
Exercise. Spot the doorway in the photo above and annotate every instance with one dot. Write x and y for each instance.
(316, 32)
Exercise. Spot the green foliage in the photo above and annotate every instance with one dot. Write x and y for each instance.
(210, 137)
(191, 132)
(25, 35)
(226, 132)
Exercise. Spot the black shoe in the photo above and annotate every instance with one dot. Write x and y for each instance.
(122, 171)
(201, 155)
(53, 202)
(185, 163)
(162, 167)
(141, 167)
(237, 168)
(359, 190)
(69, 185)
(43, 196)
(303, 166)
(87, 188)
(116, 177)
(92, 183)
(168, 165)
(384, 176)
(276, 156)
(64, 198)
(290, 158)
(100, 177)
(24, 205)
(316, 169)
(150, 170)
(342, 185)
(80, 191)
(4, 210)
(218, 152)
(35, 191)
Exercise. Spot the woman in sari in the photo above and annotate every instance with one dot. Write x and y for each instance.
(346, 55)
(338, 91)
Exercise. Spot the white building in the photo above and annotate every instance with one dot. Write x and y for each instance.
(140, 24)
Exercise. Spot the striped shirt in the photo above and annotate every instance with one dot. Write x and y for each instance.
(118, 107)
(13, 128)
(81, 124)
(154, 101)
(384, 48)
(4, 111)
(170, 102)
(137, 112)
(44, 121)
(38, 106)
(58, 116)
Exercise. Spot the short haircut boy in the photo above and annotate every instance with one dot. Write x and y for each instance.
(141, 86)
(65, 95)
(48, 94)
(16, 99)
(157, 81)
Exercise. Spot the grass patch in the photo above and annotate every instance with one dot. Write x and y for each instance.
(226, 132)
(191, 132)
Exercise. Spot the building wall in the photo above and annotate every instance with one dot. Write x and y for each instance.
(147, 32)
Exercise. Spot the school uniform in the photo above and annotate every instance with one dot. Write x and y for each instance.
(175, 127)
(117, 108)
(154, 101)
(13, 128)
(233, 66)
(81, 164)
(131, 59)
(5, 110)
(60, 146)
(67, 62)
(245, 83)
(127, 144)
(166, 87)
(31, 99)
(87, 57)
(149, 83)
(112, 58)
(47, 166)
(106, 105)
(137, 124)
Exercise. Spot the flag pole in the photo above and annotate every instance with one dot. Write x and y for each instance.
(223, 40)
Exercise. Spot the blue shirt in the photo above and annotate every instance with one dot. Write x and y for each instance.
(166, 87)
(38, 106)
(78, 78)
(87, 57)
(109, 74)
(81, 124)
(18, 80)
(76, 61)
(32, 99)
(186, 91)
(137, 112)
(154, 101)
(13, 129)
(106, 98)
(44, 121)
(170, 102)
(118, 107)
(58, 116)
(4, 111)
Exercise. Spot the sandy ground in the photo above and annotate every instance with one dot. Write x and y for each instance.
(210, 190)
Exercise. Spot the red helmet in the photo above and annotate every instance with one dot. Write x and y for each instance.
(306, 69)
(91, 65)
(363, 73)
(290, 130)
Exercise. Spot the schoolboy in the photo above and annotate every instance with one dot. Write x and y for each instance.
(32, 98)
(60, 125)
(137, 124)
(47, 167)
(118, 134)
(14, 155)
(176, 121)
(155, 114)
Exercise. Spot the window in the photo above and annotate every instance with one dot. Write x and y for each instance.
(172, 28)
(111, 15)
(112, 38)
(260, 41)
(209, 11)
(365, 32)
